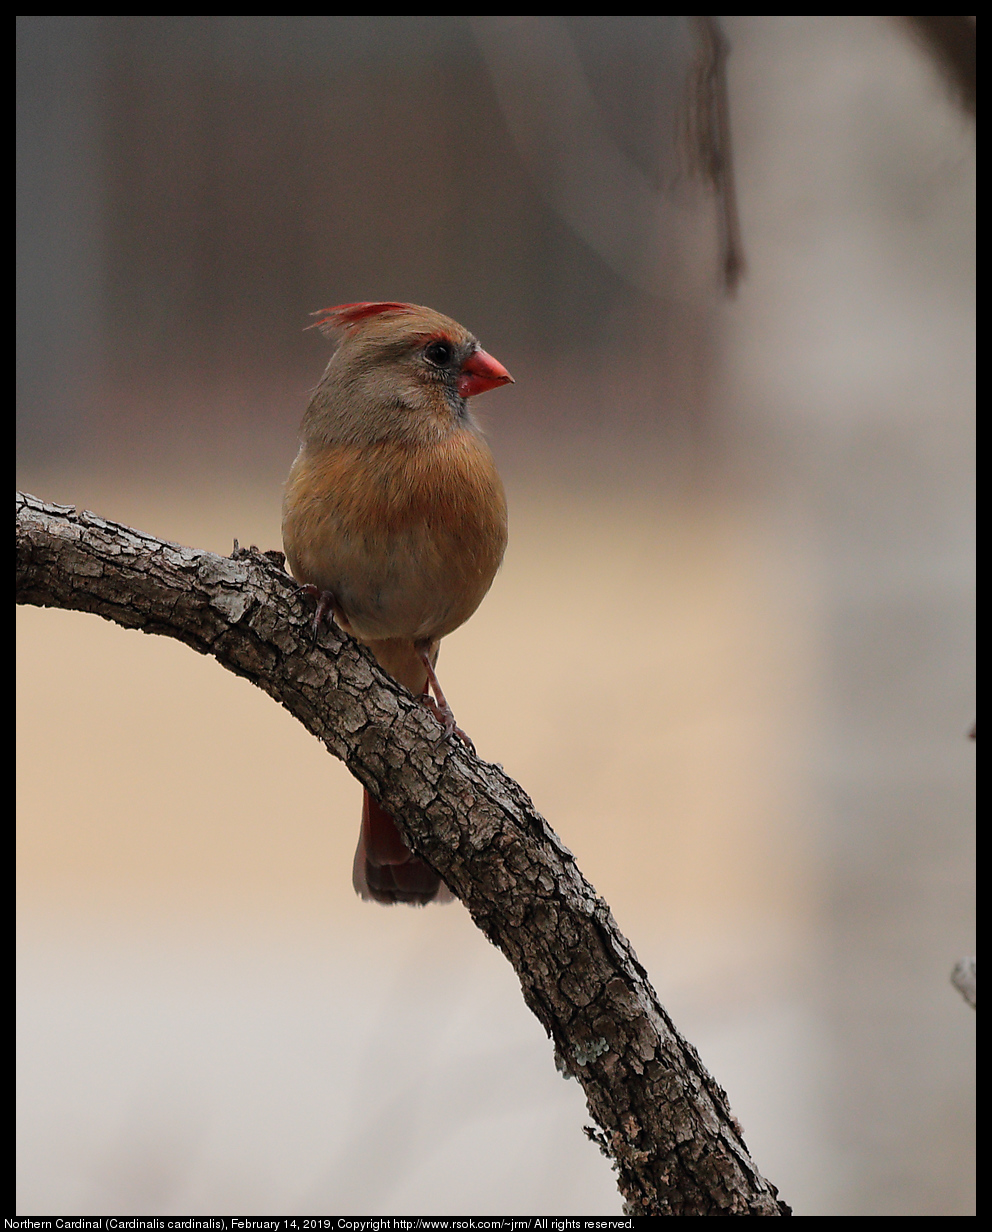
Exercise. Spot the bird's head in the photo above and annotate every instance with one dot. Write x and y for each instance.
(400, 371)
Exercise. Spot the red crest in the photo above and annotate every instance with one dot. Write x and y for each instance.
(346, 316)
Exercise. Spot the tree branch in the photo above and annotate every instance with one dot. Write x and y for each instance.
(664, 1122)
(952, 43)
(963, 977)
(709, 146)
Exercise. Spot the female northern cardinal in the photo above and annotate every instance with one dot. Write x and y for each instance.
(395, 517)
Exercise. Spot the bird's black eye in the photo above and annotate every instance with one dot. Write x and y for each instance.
(439, 353)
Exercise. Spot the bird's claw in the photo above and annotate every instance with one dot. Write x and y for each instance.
(446, 718)
(325, 606)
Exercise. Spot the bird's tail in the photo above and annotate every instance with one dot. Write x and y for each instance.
(386, 870)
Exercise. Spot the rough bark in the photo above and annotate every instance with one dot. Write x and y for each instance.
(663, 1121)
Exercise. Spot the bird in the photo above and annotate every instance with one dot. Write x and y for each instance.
(394, 519)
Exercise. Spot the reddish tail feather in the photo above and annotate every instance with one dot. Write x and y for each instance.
(386, 870)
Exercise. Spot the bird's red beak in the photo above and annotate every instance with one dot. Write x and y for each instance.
(481, 372)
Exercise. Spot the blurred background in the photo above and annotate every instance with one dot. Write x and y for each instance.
(730, 653)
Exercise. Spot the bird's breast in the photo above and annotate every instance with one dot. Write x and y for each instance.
(407, 538)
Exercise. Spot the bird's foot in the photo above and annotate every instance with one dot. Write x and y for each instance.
(325, 605)
(438, 705)
(445, 717)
